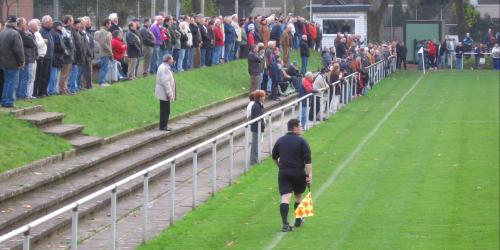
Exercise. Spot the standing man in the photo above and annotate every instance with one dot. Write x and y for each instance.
(285, 39)
(148, 44)
(69, 55)
(292, 155)
(134, 50)
(90, 54)
(11, 61)
(165, 90)
(103, 38)
(304, 54)
(254, 67)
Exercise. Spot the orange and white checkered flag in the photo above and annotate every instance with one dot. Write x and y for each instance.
(305, 208)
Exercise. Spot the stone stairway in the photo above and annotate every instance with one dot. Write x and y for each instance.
(51, 123)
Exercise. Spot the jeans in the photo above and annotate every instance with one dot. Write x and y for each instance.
(209, 58)
(182, 53)
(458, 63)
(496, 63)
(228, 49)
(304, 116)
(175, 54)
(303, 70)
(155, 59)
(235, 52)
(103, 69)
(25, 75)
(217, 54)
(73, 81)
(53, 88)
(188, 58)
(203, 56)
(11, 82)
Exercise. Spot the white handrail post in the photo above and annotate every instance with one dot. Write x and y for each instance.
(195, 178)
(112, 230)
(74, 228)
(145, 202)
(214, 167)
(231, 157)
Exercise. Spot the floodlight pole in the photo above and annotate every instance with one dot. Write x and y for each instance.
(153, 9)
(236, 7)
(310, 10)
(165, 7)
(202, 7)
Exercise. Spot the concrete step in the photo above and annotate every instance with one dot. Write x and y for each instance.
(28, 110)
(43, 118)
(64, 130)
(84, 141)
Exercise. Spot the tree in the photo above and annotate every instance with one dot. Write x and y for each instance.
(376, 19)
(193, 6)
(459, 12)
(398, 16)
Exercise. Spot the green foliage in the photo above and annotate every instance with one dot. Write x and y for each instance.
(427, 179)
(210, 7)
(471, 15)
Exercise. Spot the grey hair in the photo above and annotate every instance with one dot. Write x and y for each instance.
(46, 19)
(309, 74)
(34, 21)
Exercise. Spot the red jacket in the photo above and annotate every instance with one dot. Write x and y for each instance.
(251, 39)
(119, 49)
(219, 37)
(432, 49)
(308, 85)
(312, 31)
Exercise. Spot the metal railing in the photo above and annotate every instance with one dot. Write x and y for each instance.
(377, 72)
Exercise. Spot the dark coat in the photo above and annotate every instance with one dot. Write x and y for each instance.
(184, 39)
(79, 47)
(134, 49)
(304, 49)
(90, 42)
(59, 49)
(205, 37)
(29, 45)
(257, 110)
(11, 48)
(229, 33)
(254, 64)
(195, 32)
(69, 57)
(148, 39)
(87, 51)
(50, 45)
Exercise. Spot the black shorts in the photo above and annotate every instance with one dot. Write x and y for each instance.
(292, 181)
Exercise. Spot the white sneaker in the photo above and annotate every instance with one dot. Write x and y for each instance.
(105, 85)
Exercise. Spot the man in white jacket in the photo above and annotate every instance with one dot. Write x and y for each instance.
(165, 90)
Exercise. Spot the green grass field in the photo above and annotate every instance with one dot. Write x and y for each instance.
(121, 107)
(424, 177)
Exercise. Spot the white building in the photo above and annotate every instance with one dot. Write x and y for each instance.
(340, 16)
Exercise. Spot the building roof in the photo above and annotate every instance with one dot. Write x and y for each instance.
(323, 6)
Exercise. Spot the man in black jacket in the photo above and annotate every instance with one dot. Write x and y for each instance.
(44, 64)
(195, 32)
(255, 58)
(148, 43)
(11, 60)
(292, 156)
(304, 54)
(78, 66)
(206, 42)
(69, 55)
(401, 52)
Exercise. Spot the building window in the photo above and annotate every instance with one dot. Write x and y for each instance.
(333, 26)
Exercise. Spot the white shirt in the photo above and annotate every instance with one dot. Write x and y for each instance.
(40, 44)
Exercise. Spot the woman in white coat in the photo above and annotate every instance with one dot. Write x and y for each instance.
(165, 90)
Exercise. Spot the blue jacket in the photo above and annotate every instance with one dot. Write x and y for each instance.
(229, 33)
(50, 45)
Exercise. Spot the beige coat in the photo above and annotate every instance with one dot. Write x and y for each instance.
(165, 84)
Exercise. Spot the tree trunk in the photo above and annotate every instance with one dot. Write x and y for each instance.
(196, 6)
(459, 12)
(376, 20)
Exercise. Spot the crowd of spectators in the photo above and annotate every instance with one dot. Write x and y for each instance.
(442, 55)
(48, 57)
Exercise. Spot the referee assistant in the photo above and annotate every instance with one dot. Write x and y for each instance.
(292, 155)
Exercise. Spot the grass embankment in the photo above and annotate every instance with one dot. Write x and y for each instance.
(123, 106)
(427, 179)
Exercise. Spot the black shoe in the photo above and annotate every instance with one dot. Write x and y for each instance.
(166, 129)
(277, 99)
(286, 228)
(299, 222)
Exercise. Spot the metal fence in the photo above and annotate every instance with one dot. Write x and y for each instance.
(376, 72)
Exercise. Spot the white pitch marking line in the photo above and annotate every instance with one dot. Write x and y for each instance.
(279, 236)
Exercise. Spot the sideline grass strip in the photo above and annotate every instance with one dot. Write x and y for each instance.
(427, 180)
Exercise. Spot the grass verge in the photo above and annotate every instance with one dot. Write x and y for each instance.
(427, 179)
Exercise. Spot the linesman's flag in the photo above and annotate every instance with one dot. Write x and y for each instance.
(305, 208)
